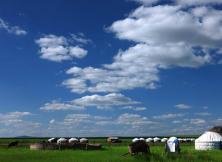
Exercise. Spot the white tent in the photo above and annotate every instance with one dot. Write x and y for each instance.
(208, 141)
(135, 140)
(142, 139)
(156, 139)
(83, 140)
(173, 144)
(164, 139)
(149, 140)
(62, 140)
(51, 139)
(73, 140)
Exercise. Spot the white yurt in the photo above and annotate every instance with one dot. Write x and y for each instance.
(173, 144)
(208, 141)
(51, 139)
(83, 140)
(149, 140)
(164, 140)
(62, 140)
(73, 140)
(142, 139)
(156, 139)
(135, 140)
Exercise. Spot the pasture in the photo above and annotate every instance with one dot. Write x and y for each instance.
(107, 154)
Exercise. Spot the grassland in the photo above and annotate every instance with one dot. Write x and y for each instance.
(108, 154)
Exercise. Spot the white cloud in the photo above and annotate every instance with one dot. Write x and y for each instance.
(56, 105)
(198, 2)
(80, 38)
(12, 29)
(134, 108)
(52, 121)
(109, 100)
(203, 114)
(167, 116)
(197, 121)
(99, 101)
(59, 48)
(162, 34)
(13, 117)
(14, 124)
(134, 120)
(146, 2)
(183, 106)
(166, 24)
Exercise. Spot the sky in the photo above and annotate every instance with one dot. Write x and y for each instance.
(110, 68)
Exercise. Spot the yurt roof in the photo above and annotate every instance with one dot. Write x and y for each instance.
(209, 137)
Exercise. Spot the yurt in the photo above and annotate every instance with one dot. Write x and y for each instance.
(83, 140)
(61, 140)
(142, 139)
(51, 140)
(135, 140)
(73, 140)
(172, 145)
(113, 140)
(164, 140)
(149, 140)
(208, 141)
(156, 139)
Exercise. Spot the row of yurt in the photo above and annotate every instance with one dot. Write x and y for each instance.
(148, 140)
(64, 140)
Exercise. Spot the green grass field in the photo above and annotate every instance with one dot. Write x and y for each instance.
(108, 154)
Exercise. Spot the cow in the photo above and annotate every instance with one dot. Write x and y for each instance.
(13, 144)
(139, 146)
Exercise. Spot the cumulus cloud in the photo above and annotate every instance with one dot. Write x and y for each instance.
(163, 40)
(59, 48)
(12, 29)
(106, 125)
(13, 124)
(183, 106)
(13, 117)
(56, 105)
(134, 120)
(99, 101)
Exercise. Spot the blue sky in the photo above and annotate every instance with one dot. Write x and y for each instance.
(100, 68)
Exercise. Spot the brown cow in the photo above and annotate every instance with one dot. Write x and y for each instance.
(139, 146)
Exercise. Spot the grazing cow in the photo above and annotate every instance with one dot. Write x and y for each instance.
(13, 144)
(139, 146)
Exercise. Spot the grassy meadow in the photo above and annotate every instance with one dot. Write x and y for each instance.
(107, 154)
